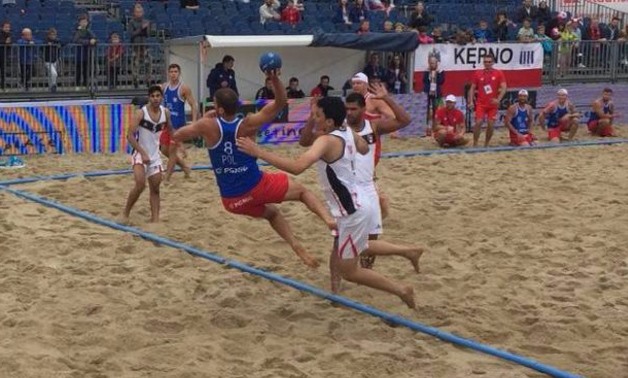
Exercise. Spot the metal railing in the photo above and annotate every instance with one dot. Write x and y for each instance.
(40, 68)
(586, 61)
(584, 8)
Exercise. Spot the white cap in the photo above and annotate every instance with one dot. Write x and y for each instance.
(450, 98)
(523, 92)
(360, 77)
(562, 91)
(562, 15)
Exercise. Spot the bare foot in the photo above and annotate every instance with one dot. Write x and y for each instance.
(407, 296)
(308, 259)
(414, 257)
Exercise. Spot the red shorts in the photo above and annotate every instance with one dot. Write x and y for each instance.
(606, 131)
(563, 126)
(488, 111)
(272, 188)
(449, 139)
(164, 138)
(516, 140)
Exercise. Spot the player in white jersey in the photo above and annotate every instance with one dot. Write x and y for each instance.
(143, 136)
(334, 153)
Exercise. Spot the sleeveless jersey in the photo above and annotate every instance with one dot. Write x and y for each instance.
(149, 132)
(337, 179)
(520, 120)
(606, 109)
(371, 117)
(558, 113)
(365, 164)
(176, 105)
(236, 172)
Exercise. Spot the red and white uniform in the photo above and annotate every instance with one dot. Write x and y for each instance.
(365, 173)
(148, 138)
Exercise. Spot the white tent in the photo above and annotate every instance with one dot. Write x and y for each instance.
(198, 55)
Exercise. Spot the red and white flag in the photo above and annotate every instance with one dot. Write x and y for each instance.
(522, 64)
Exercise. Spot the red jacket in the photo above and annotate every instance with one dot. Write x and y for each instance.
(290, 15)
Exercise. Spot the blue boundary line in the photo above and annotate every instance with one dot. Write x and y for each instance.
(391, 318)
(389, 155)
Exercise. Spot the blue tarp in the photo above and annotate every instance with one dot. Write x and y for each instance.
(398, 42)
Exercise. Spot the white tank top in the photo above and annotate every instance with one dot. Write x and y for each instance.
(149, 132)
(365, 164)
(338, 180)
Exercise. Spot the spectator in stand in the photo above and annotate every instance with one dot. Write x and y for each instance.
(266, 92)
(552, 29)
(376, 5)
(26, 55)
(420, 17)
(343, 13)
(437, 35)
(576, 50)
(545, 41)
(85, 40)
(612, 30)
(389, 27)
(269, 11)
(139, 28)
(423, 37)
(373, 70)
(115, 52)
(527, 10)
(190, 4)
(359, 12)
(291, 14)
(5, 51)
(433, 80)
(483, 34)
(397, 77)
(544, 13)
(526, 33)
(322, 88)
(51, 56)
(293, 90)
(365, 27)
(389, 9)
(400, 27)
(566, 40)
(222, 76)
(500, 29)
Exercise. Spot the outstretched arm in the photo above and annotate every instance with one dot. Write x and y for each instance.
(189, 98)
(308, 134)
(400, 117)
(287, 164)
(253, 122)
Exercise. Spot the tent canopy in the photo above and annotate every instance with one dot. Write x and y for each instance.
(395, 42)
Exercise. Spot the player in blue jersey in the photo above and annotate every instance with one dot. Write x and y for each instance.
(519, 120)
(602, 115)
(176, 94)
(561, 117)
(244, 188)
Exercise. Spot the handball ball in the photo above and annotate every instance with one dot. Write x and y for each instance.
(269, 61)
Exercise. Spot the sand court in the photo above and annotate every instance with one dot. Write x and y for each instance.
(527, 252)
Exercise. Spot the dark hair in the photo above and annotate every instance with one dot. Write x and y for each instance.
(227, 99)
(334, 109)
(174, 65)
(324, 77)
(155, 88)
(293, 79)
(607, 90)
(227, 59)
(356, 98)
(489, 55)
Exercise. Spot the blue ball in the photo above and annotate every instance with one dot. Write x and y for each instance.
(269, 61)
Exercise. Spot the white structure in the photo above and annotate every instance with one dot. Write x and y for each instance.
(199, 54)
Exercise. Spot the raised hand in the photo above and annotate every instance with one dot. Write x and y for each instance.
(378, 90)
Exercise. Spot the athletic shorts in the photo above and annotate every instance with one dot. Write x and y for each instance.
(354, 230)
(449, 139)
(369, 194)
(606, 131)
(272, 188)
(488, 111)
(516, 140)
(151, 169)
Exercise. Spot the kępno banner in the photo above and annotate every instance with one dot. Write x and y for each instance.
(522, 64)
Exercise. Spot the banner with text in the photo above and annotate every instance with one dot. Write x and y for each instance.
(522, 64)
